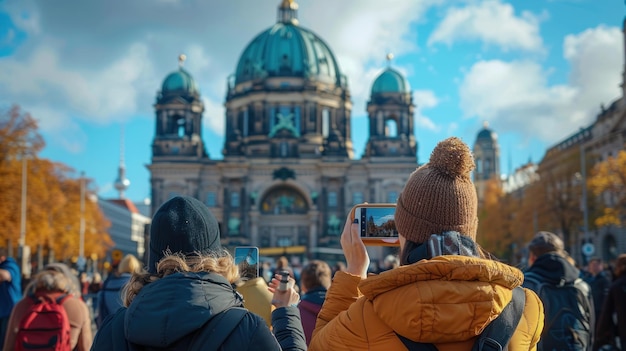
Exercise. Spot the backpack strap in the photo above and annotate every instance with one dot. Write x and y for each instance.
(216, 331)
(497, 334)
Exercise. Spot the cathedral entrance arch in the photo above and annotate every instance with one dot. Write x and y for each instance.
(284, 220)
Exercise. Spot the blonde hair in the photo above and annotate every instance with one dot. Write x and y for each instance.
(129, 264)
(220, 262)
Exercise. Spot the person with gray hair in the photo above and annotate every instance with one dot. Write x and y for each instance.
(55, 282)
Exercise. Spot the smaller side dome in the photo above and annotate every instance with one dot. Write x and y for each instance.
(179, 82)
(486, 134)
(391, 81)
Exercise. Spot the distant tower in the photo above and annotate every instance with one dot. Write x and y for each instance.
(179, 117)
(487, 158)
(121, 183)
(390, 111)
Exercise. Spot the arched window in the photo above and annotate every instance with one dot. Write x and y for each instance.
(283, 200)
(391, 128)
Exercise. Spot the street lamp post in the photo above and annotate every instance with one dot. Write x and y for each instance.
(23, 250)
(81, 242)
(22, 241)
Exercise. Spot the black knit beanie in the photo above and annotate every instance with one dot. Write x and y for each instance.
(182, 224)
(439, 196)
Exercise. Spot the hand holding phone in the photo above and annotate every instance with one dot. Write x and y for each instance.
(247, 258)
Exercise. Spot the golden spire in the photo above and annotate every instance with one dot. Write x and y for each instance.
(289, 4)
(287, 12)
(389, 57)
(181, 60)
(486, 124)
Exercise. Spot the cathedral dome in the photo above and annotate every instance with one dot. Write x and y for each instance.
(391, 81)
(288, 50)
(179, 82)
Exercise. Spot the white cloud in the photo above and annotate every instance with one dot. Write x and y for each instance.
(425, 99)
(516, 96)
(491, 22)
(104, 72)
(214, 116)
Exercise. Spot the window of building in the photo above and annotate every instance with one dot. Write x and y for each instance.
(332, 199)
(234, 199)
(325, 122)
(479, 165)
(284, 149)
(357, 198)
(211, 199)
(391, 128)
(392, 196)
(245, 122)
(284, 201)
(181, 127)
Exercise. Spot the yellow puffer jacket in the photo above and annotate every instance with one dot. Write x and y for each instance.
(447, 301)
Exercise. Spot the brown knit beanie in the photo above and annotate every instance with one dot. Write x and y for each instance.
(439, 196)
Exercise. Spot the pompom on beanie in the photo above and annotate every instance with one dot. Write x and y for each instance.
(439, 196)
(185, 225)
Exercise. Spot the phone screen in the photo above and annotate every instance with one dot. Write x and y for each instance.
(377, 222)
(247, 258)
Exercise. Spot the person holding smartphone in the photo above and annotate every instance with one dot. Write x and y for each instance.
(186, 300)
(445, 292)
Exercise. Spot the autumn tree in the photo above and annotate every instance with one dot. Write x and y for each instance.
(52, 198)
(556, 197)
(494, 220)
(608, 182)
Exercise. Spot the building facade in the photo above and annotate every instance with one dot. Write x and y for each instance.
(288, 176)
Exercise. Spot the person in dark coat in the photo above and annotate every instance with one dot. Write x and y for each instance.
(110, 296)
(612, 321)
(315, 280)
(599, 282)
(189, 285)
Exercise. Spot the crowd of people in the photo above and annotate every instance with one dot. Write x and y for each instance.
(442, 290)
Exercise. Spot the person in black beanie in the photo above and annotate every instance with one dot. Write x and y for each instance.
(187, 301)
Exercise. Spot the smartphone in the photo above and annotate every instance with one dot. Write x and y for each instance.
(377, 224)
(247, 258)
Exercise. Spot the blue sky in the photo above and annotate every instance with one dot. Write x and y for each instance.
(537, 71)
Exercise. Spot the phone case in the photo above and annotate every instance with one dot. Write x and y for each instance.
(376, 241)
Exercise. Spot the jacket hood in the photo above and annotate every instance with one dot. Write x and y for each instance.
(174, 306)
(555, 269)
(444, 299)
(315, 296)
(116, 282)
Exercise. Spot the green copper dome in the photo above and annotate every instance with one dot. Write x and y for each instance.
(179, 82)
(287, 50)
(391, 81)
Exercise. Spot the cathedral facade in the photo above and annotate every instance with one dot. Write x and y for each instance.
(288, 176)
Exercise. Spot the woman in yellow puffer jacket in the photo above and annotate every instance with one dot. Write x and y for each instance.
(446, 294)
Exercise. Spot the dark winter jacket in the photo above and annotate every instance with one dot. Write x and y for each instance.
(554, 269)
(599, 285)
(309, 306)
(615, 303)
(110, 296)
(166, 315)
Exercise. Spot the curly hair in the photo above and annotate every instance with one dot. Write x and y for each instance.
(220, 262)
